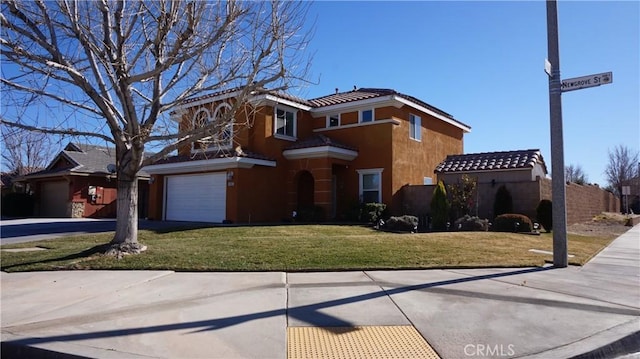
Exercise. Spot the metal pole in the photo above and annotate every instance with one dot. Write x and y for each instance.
(560, 257)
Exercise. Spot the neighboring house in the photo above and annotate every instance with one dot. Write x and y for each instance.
(287, 154)
(80, 182)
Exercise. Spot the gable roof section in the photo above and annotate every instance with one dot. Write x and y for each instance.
(233, 92)
(84, 158)
(352, 98)
(491, 161)
(88, 158)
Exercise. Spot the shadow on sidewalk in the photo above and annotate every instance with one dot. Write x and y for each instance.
(311, 314)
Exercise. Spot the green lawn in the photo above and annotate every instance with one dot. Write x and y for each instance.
(300, 248)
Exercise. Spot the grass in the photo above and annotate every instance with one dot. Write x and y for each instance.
(299, 248)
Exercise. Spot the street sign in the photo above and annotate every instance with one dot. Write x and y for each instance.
(547, 67)
(626, 190)
(578, 83)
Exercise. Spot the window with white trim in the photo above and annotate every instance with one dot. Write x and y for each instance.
(366, 115)
(221, 132)
(370, 185)
(224, 136)
(200, 119)
(284, 122)
(415, 127)
(333, 120)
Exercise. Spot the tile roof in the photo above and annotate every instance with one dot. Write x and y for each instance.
(367, 93)
(489, 161)
(279, 94)
(319, 140)
(212, 155)
(335, 99)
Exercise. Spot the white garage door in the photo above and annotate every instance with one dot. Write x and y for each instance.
(54, 199)
(198, 198)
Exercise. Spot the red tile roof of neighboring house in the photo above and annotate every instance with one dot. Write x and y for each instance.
(319, 140)
(489, 161)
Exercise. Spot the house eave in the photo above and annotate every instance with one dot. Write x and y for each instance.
(275, 100)
(320, 152)
(214, 164)
(352, 105)
(448, 120)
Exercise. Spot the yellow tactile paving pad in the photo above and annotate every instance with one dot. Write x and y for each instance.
(367, 342)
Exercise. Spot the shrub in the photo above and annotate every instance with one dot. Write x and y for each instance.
(503, 202)
(17, 205)
(463, 195)
(372, 212)
(439, 208)
(510, 222)
(404, 223)
(468, 223)
(544, 213)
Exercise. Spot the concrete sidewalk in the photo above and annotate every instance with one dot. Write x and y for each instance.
(531, 312)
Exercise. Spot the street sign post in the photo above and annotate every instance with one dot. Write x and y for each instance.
(578, 83)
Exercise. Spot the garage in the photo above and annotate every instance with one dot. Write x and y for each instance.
(197, 198)
(54, 199)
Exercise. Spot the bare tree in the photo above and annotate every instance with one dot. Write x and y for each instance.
(575, 174)
(124, 67)
(622, 166)
(24, 152)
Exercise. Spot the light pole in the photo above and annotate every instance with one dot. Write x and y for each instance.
(558, 195)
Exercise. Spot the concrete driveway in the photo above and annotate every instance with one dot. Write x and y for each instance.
(35, 229)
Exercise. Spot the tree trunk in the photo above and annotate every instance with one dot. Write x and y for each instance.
(127, 212)
(125, 240)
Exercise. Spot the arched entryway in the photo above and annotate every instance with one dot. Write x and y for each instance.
(305, 190)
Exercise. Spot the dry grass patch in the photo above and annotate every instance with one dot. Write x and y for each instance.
(301, 248)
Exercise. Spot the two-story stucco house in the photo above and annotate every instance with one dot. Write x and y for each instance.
(329, 152)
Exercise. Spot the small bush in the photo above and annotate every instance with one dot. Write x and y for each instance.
(404, 223)
(503, 202)
(468, 223)
(439, 208)
(510, 222)
(372, 212)
(544, 213)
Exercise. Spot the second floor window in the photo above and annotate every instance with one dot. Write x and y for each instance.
(219, 126)
(285, 122)
(333, 120)
(366, 116)
(415, 127)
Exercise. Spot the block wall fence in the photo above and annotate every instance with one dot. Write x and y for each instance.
(583, 201)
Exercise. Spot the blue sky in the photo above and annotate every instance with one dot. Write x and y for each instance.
(483, 62)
